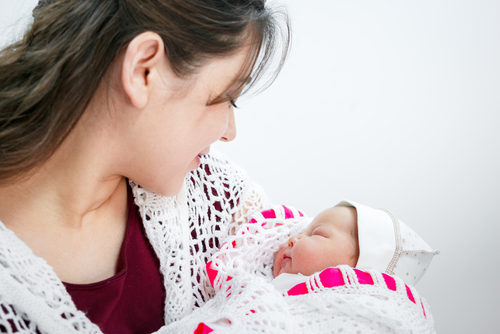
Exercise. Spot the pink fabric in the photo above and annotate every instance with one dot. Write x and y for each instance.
(423, 309)
(391, 283)
(299, 289)
(363, 277)
(212, 273)
(288, 212)
(331, 277)
(410, 295)
(269, 214)
(203, 329)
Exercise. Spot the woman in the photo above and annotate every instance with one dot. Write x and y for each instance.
(100, 92)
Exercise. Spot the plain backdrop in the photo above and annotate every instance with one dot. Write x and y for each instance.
(391, 104)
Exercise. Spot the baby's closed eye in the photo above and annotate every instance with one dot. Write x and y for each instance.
(319, 231)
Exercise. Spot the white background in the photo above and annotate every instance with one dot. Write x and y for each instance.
(391, 104)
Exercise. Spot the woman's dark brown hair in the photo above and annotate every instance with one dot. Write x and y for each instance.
(49, 77)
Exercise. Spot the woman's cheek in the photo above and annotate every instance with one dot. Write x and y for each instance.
(217, 123)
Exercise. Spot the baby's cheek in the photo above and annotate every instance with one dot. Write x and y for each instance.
(309, 261)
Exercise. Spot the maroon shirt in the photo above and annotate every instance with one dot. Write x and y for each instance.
(133, 300)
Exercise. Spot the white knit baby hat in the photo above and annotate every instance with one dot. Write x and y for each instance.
(390, 246)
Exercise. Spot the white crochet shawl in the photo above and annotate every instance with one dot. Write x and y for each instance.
(184, 230)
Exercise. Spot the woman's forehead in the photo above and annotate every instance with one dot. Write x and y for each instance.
(234, 73)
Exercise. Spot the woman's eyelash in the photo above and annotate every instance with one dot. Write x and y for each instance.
(233, 104)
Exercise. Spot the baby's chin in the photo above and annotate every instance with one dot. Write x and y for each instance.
(276, 268)
(277, 273)
(277, 262)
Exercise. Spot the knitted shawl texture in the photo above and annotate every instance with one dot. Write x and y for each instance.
(184, 231)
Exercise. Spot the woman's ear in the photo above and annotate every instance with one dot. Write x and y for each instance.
(142, 55)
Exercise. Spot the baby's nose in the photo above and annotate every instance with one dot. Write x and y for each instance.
(293, 240)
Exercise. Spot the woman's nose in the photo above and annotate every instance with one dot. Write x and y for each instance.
(230, 133)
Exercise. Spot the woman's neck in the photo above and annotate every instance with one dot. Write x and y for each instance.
(72, 210)
(71, 188)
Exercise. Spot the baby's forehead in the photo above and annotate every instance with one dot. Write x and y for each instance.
(341, 217)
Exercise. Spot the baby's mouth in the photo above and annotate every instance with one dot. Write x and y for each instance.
(285, 260)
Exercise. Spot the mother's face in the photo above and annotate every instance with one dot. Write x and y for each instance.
(178, 123)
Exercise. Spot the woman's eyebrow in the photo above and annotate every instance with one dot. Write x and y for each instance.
(242, 83)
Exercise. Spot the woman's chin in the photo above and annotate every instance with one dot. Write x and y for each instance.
(173, 185)
(196, 163)
(168, 188)
(173, 190)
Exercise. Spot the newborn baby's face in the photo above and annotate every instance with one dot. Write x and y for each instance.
(330, 240)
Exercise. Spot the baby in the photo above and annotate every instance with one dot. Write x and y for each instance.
(347, 236)
(331, 239)
(355, 235)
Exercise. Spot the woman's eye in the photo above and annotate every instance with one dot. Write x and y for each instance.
(233, 104)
